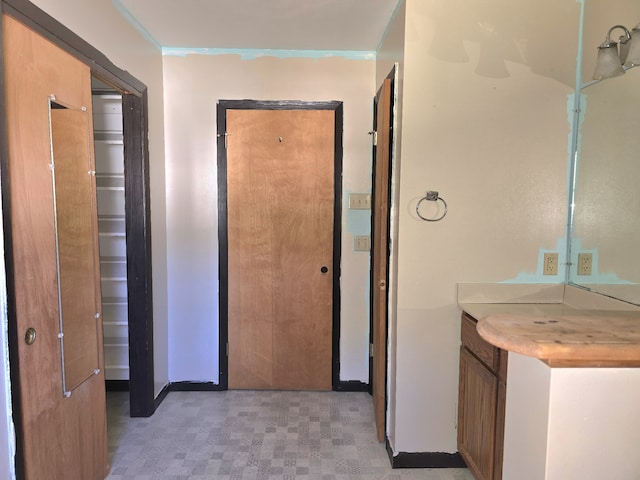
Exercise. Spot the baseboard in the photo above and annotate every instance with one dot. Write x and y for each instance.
(186, 387)
(194, 387)
(351, 386)
(161, 396)
(116, 385)
(425, 459)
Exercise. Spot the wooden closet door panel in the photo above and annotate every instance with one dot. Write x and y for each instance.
(61, 437)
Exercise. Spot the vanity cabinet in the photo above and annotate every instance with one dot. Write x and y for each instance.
(481, 403)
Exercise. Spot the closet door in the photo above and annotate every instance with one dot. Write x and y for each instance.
(55, 271)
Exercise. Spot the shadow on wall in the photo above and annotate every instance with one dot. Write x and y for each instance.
(506, 32)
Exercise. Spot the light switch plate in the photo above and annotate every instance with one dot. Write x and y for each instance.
(360, 201)
(361, 243)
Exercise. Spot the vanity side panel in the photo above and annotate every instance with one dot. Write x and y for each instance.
(594, 424)
(526, 419)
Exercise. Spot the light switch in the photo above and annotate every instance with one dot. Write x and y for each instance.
(360, 201)
(361, 243)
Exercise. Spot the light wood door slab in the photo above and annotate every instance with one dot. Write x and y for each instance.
(380, 254)
(280, 190)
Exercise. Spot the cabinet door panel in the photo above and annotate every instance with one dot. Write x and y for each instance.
(477, 416)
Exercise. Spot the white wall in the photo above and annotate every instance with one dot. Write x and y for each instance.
(101, 25)
(193, 85)
(391, 53)
(485, 123)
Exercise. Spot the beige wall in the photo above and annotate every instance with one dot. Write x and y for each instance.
(193, 86)
(100, 24)
(485, 123)
(391, 54)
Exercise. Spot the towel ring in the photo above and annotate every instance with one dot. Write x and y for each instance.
(432, 197)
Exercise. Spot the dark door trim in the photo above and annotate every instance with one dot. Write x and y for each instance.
(138, 216)
(223, 268)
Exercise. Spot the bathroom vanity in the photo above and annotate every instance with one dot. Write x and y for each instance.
(550, 390)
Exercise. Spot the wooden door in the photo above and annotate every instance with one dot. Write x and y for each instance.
(61, 429)
(280, 201)
(380, 253)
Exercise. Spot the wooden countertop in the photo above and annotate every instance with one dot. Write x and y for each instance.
(562, 336)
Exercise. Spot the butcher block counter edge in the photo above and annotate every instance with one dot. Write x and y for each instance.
(561, 335)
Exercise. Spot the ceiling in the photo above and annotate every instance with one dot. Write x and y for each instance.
(352, 25)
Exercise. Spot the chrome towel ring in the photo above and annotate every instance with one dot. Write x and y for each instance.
(432, 197)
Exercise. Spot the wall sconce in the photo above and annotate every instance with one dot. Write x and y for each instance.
(610, 62)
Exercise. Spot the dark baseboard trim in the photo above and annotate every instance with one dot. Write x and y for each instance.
(425, 459)
(351, 386)
(161, 396)
(195, 387)
(187, 387)
(116, 385)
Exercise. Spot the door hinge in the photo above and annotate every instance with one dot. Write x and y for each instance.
(227, 349)
(225, 135)
(371, 350)
(374, 137)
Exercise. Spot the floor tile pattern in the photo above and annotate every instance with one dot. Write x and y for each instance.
(265, 435)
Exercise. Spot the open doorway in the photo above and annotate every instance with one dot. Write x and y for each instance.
(109, 154)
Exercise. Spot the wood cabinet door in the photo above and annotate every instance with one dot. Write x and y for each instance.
(477, 416)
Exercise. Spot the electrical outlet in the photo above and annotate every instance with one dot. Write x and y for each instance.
(360, 201)
(584, 263)
(550, 266)
(361, 243)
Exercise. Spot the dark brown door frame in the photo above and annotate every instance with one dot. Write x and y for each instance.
(137, 200)
(223, 268)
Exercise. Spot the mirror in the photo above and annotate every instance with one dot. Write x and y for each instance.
(606, 220)
(76, 245)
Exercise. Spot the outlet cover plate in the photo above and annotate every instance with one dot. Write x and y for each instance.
(550, 264)
(585, 261)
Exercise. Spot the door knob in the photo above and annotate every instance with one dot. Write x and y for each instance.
(30, 336)
(324, 270)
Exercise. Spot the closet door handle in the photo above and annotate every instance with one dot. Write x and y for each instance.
(324, 269)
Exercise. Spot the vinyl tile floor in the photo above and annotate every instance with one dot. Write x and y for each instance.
(256, 435)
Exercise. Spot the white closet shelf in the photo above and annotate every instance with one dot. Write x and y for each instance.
(113, 259)
(116, 323)
(109, 141)
(113, 279)
(114, 300)
(112, 234)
